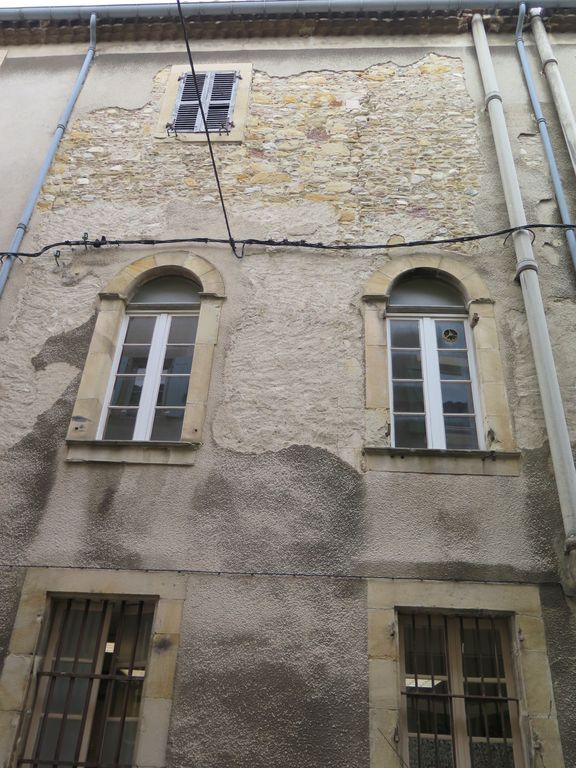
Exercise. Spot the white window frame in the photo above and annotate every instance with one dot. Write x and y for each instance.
(434, 415)
(152, 376)
(206, 98)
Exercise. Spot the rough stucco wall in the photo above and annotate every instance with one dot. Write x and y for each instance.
(271, 489)
(289, 367)
(277, 671)
(560, 621)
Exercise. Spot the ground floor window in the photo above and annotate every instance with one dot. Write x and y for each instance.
(460, 706)
(89, 686)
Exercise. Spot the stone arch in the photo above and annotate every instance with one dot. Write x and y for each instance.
(188, 265)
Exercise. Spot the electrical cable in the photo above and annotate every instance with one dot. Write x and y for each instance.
(231, 240)
(103, 242)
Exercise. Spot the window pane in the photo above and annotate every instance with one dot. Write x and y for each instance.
(173, 390)
(56, 729)
(461, 432)
(178, 359)
(426, 752)
(404, 333)
(168, 424)
(453, 365)
(140, 330)
(457, 398)
(406, 365)
(492, 755)
(409, 397)
(450, 334)
(127, 390)
(424, 291)
(167, 290)
(410, 431)
(134, 359)
(120, 424)
(183, 330)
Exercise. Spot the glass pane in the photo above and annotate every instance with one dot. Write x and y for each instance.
(178, 359)
(404, 333)
(406, 365)
(173, 390)
(70, 695)
(120, 424)
(409, 397)
(183, 330)
(484, 755)
(409, 432)
(457, 398)
(430, 753)
(110, 742)
(453, 365)
(419, 291)
(168, 290)
(461, 432)
(127, 390)
(140, 330)
(56, 729)
(168, 424)
(450, 334)
(134, 360)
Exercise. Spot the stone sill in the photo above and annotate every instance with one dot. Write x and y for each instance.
(442, 462)
(132, 452)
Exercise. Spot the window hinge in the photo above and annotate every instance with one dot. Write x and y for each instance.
(474, 320)
(171, 129)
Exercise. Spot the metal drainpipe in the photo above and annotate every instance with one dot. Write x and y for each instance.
(527, 272)
(543, 128)
(552, 71)
(31, 204)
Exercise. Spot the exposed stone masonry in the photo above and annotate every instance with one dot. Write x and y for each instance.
(393, 149)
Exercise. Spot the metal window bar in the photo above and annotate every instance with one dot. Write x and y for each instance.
(90, 737)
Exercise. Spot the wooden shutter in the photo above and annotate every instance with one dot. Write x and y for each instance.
(217, 90)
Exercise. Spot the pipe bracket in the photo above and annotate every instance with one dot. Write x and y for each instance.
(491, 96)
(524, 265)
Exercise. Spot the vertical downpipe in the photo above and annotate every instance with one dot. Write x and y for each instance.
(545, 136)
(43, 172)
(527, 273)
(553, 75)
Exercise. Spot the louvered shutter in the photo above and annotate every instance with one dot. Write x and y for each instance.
(221, 106)
(217, 91)
(187, 104)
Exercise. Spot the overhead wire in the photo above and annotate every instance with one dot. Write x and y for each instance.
(104, 242)
(231, 240)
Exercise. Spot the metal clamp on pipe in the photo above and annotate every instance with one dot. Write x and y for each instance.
(523, 265)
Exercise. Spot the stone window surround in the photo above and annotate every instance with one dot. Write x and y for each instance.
(82, 443)
(500, 457)
(31, 625)
(520, 603)
(239, 115)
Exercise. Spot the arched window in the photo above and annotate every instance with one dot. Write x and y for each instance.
(143, 395)
(434, 398)
(147, 393)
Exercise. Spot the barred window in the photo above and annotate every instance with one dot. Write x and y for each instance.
(460, 707)
(87, 694)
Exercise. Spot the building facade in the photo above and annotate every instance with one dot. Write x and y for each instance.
(289, 506)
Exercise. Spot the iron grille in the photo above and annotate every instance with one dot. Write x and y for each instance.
(461, 710)
(84, 712)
